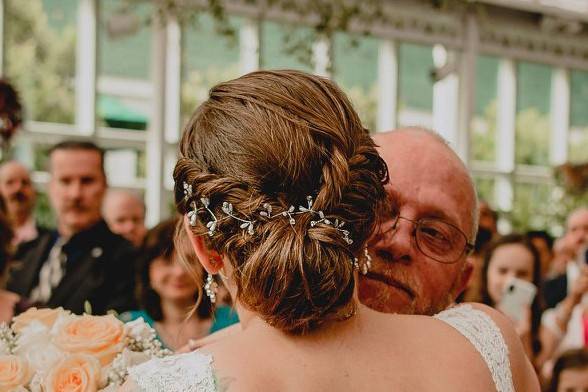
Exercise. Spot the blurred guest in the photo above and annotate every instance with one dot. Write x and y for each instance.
(568, 321)
(82, 261)
(575, 239)
(10, 114)
(570, 373)
(514, 256)
(16, 188)
(562, 254)
(543, 242)
(488, 218)
(171, 294)
(476, 259)
(125, 214)
(8, 300)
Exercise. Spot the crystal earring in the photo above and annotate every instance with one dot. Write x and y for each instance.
(211, 287)
(367, 262)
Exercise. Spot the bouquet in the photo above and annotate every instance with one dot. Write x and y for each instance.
(53, 350)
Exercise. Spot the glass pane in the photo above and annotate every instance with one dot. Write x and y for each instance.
(578, 138)
(285, 46)
(483, 128)
(208, 58)
(533, 207)
(124, 58)
(356, 72)
(415, 85)
(40, 44)
(532, 122)
(485, 189)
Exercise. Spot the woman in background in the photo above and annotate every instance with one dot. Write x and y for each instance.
(8, 300)
(168, 293)
(570, 373)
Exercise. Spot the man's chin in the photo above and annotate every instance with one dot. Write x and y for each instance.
(385, 298)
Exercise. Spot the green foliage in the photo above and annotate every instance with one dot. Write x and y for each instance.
(532, 137)
(40, 61)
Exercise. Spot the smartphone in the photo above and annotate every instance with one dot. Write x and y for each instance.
(517, 295)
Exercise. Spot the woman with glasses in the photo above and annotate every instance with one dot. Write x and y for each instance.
(280, 187)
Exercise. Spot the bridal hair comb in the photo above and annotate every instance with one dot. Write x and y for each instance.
(267, 213)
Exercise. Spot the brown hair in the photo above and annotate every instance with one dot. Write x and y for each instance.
(573, 359)
(277, 137)
(79, 145)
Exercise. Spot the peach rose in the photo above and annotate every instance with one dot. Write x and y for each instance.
(45, 316)
(14, 372)
(99, 336)
(76, 373)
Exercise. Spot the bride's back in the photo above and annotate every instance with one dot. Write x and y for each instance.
(373, 352)
(281, 187)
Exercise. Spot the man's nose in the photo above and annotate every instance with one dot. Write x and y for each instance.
(397, 241)
(75, 190)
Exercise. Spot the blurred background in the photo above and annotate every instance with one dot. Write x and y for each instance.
(505, 82)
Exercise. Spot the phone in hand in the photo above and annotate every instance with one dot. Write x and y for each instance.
(517, 295)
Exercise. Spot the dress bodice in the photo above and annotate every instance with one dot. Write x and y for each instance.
(483, 333)
(191, 372)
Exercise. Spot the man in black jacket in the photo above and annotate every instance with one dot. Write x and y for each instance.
(82, 261)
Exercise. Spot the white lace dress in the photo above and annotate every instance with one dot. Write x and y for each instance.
(193, 372)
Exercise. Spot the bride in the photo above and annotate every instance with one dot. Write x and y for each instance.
(280, 187)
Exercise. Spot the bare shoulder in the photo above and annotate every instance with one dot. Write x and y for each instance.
(524, 377)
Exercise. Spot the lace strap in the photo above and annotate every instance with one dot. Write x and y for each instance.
(486, 337)
(190, 372)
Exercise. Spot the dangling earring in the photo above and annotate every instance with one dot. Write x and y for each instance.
(367, 262)
(211, 287)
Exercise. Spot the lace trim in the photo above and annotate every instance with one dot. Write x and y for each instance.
(191, 372)
(486, 337)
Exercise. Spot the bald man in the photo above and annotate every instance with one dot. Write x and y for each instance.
(16, 188)
(419, 254)
(125, 214)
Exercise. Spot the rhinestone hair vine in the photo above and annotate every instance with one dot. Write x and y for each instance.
(267, 213)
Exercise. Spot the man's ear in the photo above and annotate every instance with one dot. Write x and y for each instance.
(466, 275)
(210, 260)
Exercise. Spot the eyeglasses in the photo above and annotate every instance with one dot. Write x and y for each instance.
(439, 240)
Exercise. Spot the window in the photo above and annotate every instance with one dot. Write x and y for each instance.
(578, 137)
(40, 47)
(124, 58)
(208, 58)
(415, 85)
(483, 128)
(356, 72)
(285, 46)
(532, 121)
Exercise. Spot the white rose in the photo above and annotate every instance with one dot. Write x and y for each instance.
(139, 330)
(36, 346)
(36, 384)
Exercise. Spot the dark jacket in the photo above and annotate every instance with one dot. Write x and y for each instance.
(555, 290)
(99, 269)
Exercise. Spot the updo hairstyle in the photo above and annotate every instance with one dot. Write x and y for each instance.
(274, 138)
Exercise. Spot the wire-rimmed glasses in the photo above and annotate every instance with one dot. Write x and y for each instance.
(437, 239)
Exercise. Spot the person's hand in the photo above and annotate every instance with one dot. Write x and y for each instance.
(580, 285)
(7, 302)
(523, 325)
(195, 344)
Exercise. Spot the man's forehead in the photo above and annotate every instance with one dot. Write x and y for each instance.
(85, 161)
(425, 205)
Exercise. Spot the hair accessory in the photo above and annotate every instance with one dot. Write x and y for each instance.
(211, 288)
(267, 213)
